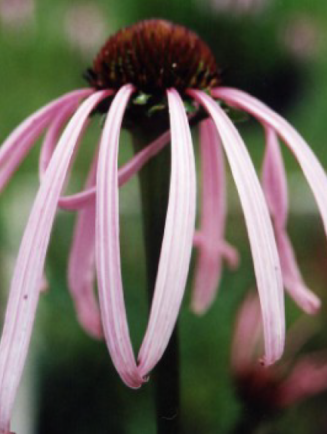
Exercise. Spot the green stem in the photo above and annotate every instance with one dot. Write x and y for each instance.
(154, 183)
(244, 426)
(249, 422)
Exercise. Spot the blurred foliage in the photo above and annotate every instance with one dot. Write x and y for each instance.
(77, 387)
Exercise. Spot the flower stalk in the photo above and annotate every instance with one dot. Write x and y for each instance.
(154, 185)
(247, 424)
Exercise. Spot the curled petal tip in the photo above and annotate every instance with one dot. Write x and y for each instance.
(91, 324)
(87, 310)
(231, 256)
(198, 309)
(313, 304)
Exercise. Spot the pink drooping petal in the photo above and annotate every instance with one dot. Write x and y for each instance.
(44, 283)
(227, 251)
(308, 378)
(230, 254)
(213, 218)
(261, 235)
(28, 272)
(20, 141)
(275, 188)
(110, 286)
(81, 267)
(52, 136)
(247, 334)
(312, 169)
(293, 280)
(141, 158)
(86, 197)
(177, 240)
(274, 179)
(78, 201)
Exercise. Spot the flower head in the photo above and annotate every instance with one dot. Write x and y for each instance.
(16, 14)
(297, 377)
(154, 55)
(142, 73)
(237, 7)
(84, 27)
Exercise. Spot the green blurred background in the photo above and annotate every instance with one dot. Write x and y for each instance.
(278, 53)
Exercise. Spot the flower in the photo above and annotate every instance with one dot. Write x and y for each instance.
(294, 379)
(139, 72)
(16, 14)
(84, 27)
(301, 37)
(238, 7)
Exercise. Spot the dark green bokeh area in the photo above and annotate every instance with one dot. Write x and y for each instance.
(74, 386)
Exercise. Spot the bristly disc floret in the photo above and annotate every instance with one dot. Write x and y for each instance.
(154, 55)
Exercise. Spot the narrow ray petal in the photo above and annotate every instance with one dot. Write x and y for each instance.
(228, 252)
(20, 141)
(247, 334)
(112, 305)
(177, 240)
(292, 277)
(275, 188)
(52, 136)
(274, 179)
(198, 239)
(308, 377)
(213, 218)
(261, 235)
(125, 173)
(81, 267)
(312, 169)
(27, 277)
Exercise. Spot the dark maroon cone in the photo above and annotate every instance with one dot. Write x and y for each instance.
(154, 55)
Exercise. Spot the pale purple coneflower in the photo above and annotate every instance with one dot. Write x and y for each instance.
(295, 378)
(302, 37)
(85, 27)
(17, 14)
(237, 7)
(141, 71)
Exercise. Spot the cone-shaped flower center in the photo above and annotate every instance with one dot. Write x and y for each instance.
(154, 55)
